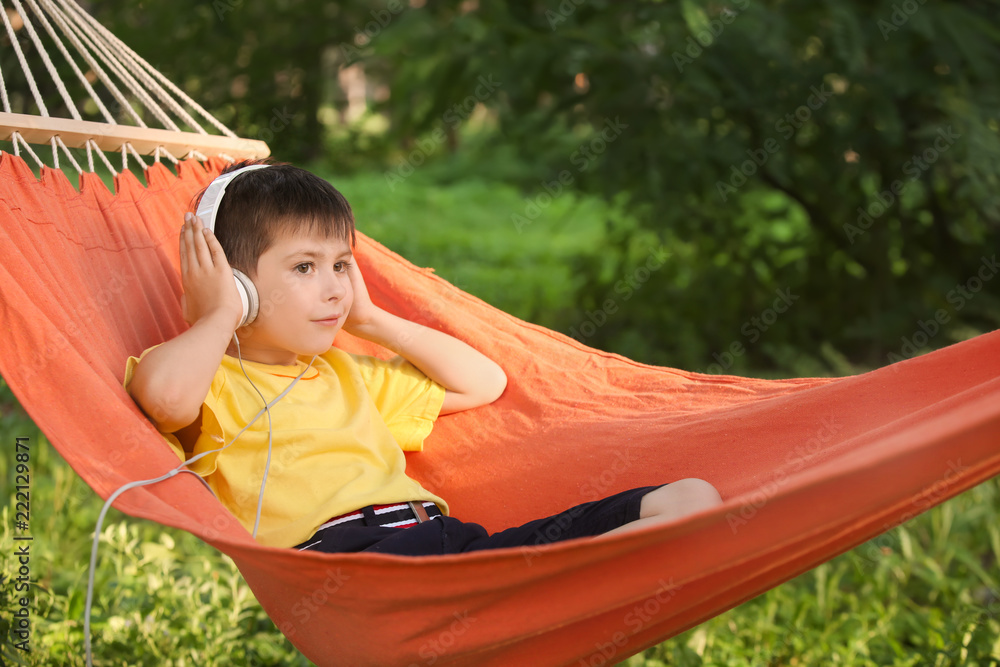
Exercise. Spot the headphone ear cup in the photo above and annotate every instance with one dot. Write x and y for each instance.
(248, 295)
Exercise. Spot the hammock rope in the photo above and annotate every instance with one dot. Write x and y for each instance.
(125, 76)
(72, 63)
(161, 150)
(68, 29)
(143, 69)
(85, 44)
(126, 70)
(57, 141)
(27, 147)
(3, 86)
(24, 64)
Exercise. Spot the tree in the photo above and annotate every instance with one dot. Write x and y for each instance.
(265, 69)
(844, 152)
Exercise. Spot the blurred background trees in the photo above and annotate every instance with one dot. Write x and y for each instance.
(779, 188)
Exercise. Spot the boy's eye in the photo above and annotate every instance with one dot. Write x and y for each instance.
(308, 266)
(341, 267)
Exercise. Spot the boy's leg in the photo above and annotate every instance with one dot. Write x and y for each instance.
(671, 502)
(628, 510)
(585, 520)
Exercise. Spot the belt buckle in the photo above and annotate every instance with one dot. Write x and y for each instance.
(419, 512)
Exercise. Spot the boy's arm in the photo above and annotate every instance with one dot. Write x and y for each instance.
(469, 377)
(171, 382)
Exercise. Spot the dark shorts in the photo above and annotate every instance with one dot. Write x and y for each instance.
(447, 535)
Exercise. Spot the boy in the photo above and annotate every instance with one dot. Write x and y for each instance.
(337, 482)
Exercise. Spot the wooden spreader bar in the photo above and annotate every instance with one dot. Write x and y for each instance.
(111, 138)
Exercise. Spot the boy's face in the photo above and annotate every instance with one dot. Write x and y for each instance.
(305, 295)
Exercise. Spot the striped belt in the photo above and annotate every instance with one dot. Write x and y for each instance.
(396, 515)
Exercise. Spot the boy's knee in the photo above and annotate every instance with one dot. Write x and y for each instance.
(685, 496)
(699, 492)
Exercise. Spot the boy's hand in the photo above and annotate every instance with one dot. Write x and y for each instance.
(363, 311)
(208, 282)
(470, 378)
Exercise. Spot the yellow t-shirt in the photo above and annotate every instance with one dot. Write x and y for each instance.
(337, 439)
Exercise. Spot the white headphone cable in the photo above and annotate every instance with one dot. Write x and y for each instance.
(180, 468)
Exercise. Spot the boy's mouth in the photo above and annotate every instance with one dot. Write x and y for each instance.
(329, 321)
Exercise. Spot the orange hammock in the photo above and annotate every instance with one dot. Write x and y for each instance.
(809, 468)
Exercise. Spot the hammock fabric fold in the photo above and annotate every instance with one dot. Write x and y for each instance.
(809, 468)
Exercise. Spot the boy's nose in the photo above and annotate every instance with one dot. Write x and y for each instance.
(333, 288)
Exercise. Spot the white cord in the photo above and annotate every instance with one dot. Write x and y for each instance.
(72, 159)
(167, 153)
(102, 50)
(65, 52)
(100, 154)
(129, 63)
(92, 52)
(124, 48)
(67, 99)
(267, 465)
(3, 94)
(15, 137)
(172, 473)
(64, 24)
(24, 64)
(138, 157)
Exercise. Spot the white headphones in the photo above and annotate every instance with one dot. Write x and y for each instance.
(208, 209)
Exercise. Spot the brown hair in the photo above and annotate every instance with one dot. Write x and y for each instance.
(262, 205)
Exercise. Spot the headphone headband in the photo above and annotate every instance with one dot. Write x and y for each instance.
(208, 207)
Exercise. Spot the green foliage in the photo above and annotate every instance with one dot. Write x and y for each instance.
(761, 142)
(265, 69)
(758, 143)
(465, 234)
(261, 67)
